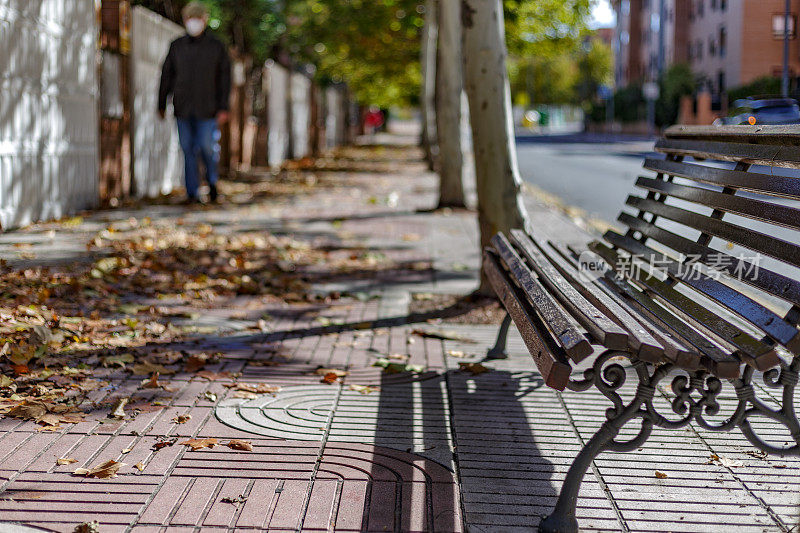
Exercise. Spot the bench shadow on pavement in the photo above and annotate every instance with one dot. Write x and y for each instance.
(478, 425)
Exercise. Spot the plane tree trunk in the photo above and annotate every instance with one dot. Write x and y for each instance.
(498, 183)
(449, 84)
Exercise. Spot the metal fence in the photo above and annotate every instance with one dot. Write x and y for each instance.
(157, 158)
(48, 109)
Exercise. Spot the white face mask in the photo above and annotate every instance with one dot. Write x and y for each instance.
(195, 26)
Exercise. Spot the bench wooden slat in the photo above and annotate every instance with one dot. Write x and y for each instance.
(756, 241)
(708, 354)
(675, 348)
(574, 342)
(767, 280)
(755, 352)
(640, 340)
(739, 179)
(758, 134)
(606, 332)
(752, 311)
(760, 154)
(765, 211)
(550, 359)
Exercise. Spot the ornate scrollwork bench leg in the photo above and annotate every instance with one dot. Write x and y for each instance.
(498, 351)
(610, 378)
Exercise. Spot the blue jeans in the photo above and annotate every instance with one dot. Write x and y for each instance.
(199, 137)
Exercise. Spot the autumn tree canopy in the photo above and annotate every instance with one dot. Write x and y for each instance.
(374, 45)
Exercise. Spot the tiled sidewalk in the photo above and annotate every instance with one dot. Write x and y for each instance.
(438, 450)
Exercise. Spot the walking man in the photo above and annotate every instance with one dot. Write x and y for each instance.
(197, 74)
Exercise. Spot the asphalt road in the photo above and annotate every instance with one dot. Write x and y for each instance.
(592, 172)
(597, 173)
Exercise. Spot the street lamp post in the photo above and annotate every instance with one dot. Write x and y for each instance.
(785, 78)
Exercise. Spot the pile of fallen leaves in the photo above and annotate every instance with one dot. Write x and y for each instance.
(65, 330)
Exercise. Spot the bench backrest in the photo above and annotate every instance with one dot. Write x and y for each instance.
(726, 198)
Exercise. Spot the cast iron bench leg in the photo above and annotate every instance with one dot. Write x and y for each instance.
(499, 349)
(607, 380)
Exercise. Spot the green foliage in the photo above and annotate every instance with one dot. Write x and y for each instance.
(766, 85)
(372, 45)
(629, 103)
(546, 80)
(545, 28)
(678, 81)
(595, 68)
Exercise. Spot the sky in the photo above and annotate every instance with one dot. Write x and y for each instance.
(602, 15)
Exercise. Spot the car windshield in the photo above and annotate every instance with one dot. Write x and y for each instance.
(785, 112)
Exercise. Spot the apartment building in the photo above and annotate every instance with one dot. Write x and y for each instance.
(637, 43)
(726, 42)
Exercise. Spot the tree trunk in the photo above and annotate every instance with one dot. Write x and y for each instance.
(449, 84)
(498, 184)
(428, 86)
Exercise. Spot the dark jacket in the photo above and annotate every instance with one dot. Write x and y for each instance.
(197, 73)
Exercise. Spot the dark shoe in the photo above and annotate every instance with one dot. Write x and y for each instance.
(191, 200)
(212, 193)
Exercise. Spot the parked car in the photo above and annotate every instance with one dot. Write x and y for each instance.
(754, 110)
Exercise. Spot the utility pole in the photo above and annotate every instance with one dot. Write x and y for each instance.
(785, 79)
(662, 15)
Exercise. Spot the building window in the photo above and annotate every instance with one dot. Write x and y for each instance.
(723, 41)
(713, 4)
(700, 9)
(712, 47)
(723, 4)
(699, 50)
(777, 25)
(721, 81)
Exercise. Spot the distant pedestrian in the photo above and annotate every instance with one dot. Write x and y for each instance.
(197, 74)
(373, 120)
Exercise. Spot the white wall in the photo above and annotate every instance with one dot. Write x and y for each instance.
(277, 80)
(334, 117)
(48, 109)
(157, 158)
(301, 114)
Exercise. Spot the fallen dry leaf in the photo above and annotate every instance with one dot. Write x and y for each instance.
(164, 443)
(363, 389)
(139, 466)
(152, 382)
(243, 394)
(236, 444)
(146, 367)
(213, 376)
(256, 388)
(661, 475)
(335, 371)
(210, 396)
(330, 378)
(196, 361)
(474, 368)
(119, 409)
(441, 335)
(182, 419)
(197, 444)
(29, 409)
(102, 471)
(65, 461)
(87, 527)
(236, 501)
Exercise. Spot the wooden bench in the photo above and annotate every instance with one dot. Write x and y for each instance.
(704, 283)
